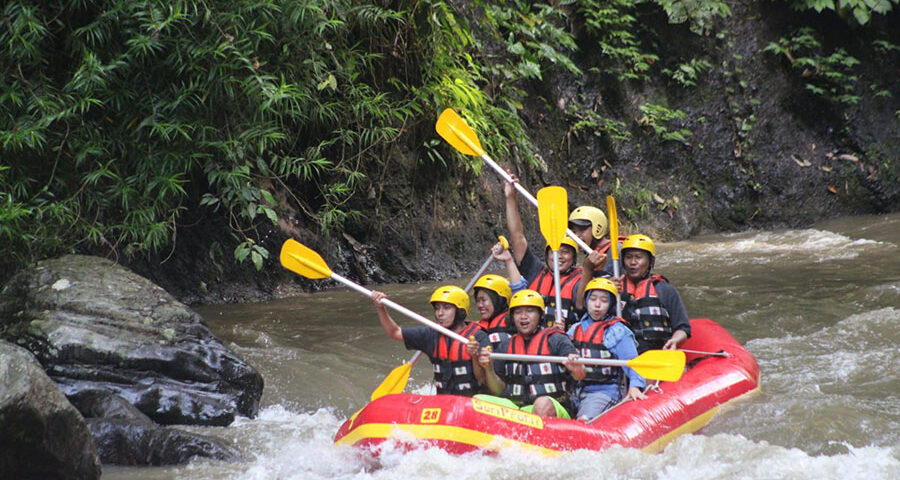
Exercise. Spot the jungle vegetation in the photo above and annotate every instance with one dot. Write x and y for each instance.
(118, 116)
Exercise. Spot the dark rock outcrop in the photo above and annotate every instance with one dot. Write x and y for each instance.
(41, 434)
(97, 327)
(125, 436)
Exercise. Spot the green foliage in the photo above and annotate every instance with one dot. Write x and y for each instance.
(687, 73)
(659, 118)
(116, 114)
(614, 27)
(860, 10)
(700, 14)
(830, 75)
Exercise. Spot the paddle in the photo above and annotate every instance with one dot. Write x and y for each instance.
(614, 239)
(457, 133)
(553, 210)
(395, 382)
(503, 243)
(665, 365)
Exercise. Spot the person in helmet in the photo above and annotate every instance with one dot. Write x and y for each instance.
(541, 388)
(600, 334)
(590, 224)
(539, 273)
(653, 306)
(454, 371)
(492, 296)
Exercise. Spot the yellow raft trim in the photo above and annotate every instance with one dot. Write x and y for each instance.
(451, 433)
(489, 441)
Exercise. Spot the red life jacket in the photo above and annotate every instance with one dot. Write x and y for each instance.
(496, 328)
(590, 345)
(543, 284)
(648, 318)
(453, 370)
(526, 381)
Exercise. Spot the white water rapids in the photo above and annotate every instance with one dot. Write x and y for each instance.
(818, 307)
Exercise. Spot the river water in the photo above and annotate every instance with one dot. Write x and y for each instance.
(818, 307)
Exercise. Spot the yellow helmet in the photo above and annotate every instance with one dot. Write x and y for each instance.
(527, 298)
(453, 295)
(601, 283)
(640, 242)
(567, 241)
(495, 283)
(593, 216)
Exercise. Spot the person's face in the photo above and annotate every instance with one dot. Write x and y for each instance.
(566, 258)
(444, 313)
(582, 232)
(527, 320)
(484, 305)
(636, 263)
(598, 304)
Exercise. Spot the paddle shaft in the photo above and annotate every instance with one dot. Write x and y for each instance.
(488, 160)
(708, 354)
(481, 270)
(558, 309)
(614, 243)
(553, 359)
(400, 308)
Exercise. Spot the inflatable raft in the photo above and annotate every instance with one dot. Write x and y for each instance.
(461, 424)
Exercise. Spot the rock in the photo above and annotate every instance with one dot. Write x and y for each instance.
(125, 436)
(97, 327)
(41, 433)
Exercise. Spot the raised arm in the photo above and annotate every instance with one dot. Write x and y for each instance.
(517, 239)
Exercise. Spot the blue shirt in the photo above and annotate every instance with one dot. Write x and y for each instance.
(619, 339)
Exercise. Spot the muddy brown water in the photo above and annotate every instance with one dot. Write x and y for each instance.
(818, 307)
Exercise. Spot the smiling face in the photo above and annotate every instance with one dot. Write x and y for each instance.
(636, 263)
(567, 256)
(444, 313)
(484, 304)
(598, 304)
(527, 320)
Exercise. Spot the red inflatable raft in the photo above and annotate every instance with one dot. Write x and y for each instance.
(461, 424)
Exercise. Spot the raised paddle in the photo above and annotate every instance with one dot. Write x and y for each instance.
(503, 243)
(452, 128)
(614, 239)
(665, 365)
(553, 210)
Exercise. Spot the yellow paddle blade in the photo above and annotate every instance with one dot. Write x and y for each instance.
(613, 225)
(299, 258)
(553, 214)
(457, 133)
(665, 365)
(395, 381)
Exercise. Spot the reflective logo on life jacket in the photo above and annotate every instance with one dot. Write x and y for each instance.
(543, 284)
(590, 345)
(525, 381)
(453, 370)
(646, 314)
(497, 330)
